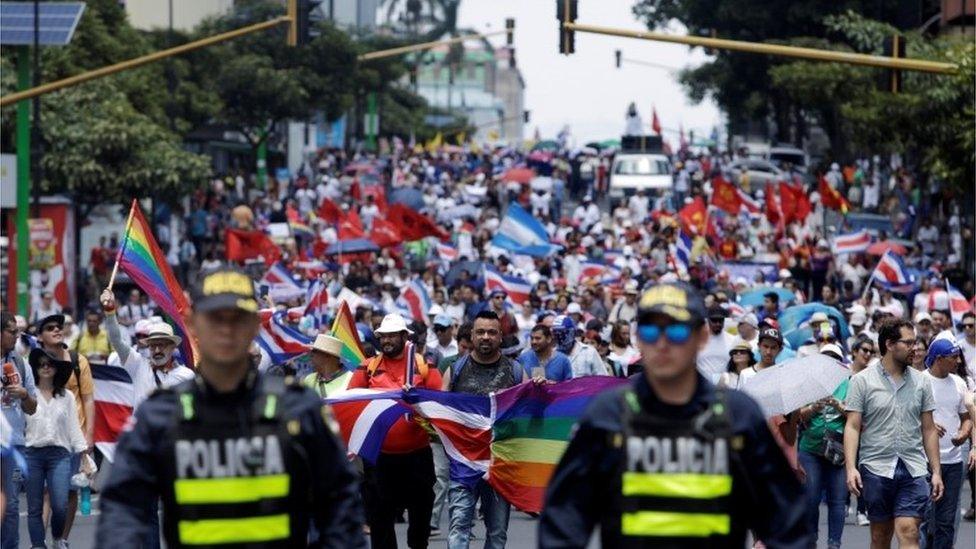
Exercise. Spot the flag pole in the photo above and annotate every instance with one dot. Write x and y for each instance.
(125, 240)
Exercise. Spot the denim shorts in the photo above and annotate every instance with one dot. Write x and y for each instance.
(901, 496)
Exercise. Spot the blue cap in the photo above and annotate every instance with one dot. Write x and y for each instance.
(939, 348)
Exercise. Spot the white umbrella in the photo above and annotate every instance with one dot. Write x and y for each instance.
(787, 386)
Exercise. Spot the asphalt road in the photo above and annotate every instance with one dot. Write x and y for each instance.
(521, 532)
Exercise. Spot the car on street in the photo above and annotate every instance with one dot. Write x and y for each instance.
(650, 172)
(758, 172)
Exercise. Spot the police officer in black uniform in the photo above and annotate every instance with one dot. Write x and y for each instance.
(669, 460)
(239, 459)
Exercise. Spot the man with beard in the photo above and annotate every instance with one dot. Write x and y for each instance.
(403, 476)
(543, 358)
(485, 370)
(159, 369)
(889, 422)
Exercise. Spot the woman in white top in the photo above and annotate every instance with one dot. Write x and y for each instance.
(740, 358)
(53, 433)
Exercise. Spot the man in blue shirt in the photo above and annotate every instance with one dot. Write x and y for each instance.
(543, 354)
(17, 398)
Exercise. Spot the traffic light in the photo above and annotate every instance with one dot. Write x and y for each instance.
(566, 11)
(525, 116)
(894, 46)
(617, 54)
(304, 14)
(510, 27)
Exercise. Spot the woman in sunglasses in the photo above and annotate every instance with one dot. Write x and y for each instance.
(53, 433)
(740, 358)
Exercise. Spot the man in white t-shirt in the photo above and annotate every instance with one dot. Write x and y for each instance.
(954, 424)
(967, 345)
(714, 357)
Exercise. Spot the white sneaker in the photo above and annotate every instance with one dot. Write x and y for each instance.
(862, 519)
(61, 544)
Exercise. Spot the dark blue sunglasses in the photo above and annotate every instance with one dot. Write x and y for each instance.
(676, 333)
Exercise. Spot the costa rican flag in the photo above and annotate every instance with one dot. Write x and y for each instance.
(278, 274)
(852, 243)
(749, 204)
(414, 298)
(611, 255)
(464, 425)
(951, 299)
(280, 341)
(592, 269)
(115, 399)
(447, 253)
(365, 416)
(518, 289)
(316, 303)
(682, 251)
(892, 274)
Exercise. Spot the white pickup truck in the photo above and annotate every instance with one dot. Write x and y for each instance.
(650, 172)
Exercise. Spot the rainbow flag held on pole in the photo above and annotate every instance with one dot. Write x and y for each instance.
(344, 329)
(142, 259)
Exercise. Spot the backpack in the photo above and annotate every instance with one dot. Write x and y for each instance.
(518, 373)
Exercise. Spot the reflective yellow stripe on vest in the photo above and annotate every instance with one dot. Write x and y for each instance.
(668, 524)
(244, 530)
(197, 491)
(678, 485)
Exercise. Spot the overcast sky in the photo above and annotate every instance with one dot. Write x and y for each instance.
(585, 90)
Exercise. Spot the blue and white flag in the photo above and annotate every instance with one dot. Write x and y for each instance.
(521, 233)
(682, 251)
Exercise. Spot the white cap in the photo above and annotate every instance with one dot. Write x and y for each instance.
(922, 316)
(818, 317)
(142, 326)
(832, 348)
(392, 323)
(750, 319)
(574, 309)
(859, 318)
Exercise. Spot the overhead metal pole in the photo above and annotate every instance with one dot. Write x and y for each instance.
(12, 98)
(427, 45)
(812, 54)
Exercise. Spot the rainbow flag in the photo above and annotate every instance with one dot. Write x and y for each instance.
(530, 431)
(344, 329)
(142, 259)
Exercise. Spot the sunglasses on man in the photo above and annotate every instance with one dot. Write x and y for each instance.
(676, 334)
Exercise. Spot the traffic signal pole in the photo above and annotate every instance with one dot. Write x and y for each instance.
(23, 183)
(812, 54)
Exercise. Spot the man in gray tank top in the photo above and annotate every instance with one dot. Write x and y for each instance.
(484, 370)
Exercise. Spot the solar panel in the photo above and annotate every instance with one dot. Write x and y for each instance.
(57, 25)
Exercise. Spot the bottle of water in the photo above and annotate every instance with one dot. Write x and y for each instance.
(86, 501)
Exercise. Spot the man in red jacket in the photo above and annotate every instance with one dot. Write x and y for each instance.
(403, 476)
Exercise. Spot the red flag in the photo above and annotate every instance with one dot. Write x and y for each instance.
(384, 233)
(242, 245)
(655, 123)
(413, 225)
(351, 226)
(774, 213)
(831, 198)
(694, 216)
(795, 203)
(725, 196)
(329, 212)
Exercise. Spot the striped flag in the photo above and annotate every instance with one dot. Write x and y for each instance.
(952, 300)
(852, 243)
(447, 253)
(414, 298)
(592, 269)
(518, 289)
(521, 233)
(344, 329)
(683, 246)
(280, 341)
(892, 274)
(114, 401)
(316, 302)
(278, 274)
(365, 416)
(749, 204)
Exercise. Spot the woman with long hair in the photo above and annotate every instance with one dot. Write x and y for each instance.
(741, 357)
(921, 349)
(52, 434)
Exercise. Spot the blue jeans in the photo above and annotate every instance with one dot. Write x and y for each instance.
(494, 508)
(938, 530)
(13, 481)
(50, 467)
(824, 477)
